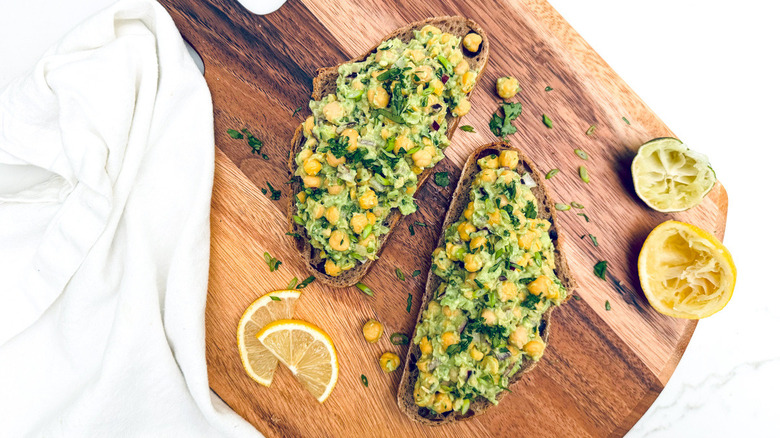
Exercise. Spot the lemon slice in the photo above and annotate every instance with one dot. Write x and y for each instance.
(670, 177)
(307, 351)
(685, 271)
(258, 362)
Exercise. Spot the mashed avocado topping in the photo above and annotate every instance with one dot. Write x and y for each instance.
(498, 279)
(366, 145)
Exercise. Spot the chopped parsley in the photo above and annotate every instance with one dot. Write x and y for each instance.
(274, 298)
(587, 219)
(548, 88)
(467, 128)
(530, 210)
(600, 269)
(593, 239)
(409, 303)
(296, 111)
(501, 126)
(275, 194)
(416, 273)
(626, 120)
(442, 179)
(547, 122)
(607, 305)
(235, 134)
(364, 379)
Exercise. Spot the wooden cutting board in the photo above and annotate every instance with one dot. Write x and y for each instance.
(603, 368)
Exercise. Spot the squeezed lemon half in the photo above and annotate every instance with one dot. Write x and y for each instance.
(685, 271)
(668, 176)
(307, 351)
(258, 362)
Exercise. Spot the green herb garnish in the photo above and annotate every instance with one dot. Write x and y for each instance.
(272, 262)
(274, 298)
(364, 379)
(584, 175)
(442, 179)
(409, 303)
(275, 194)
(600, 269)
(296, 111)
(548, 88)
(305, 282)
(295, 235)
(626, 120)
(416, 273)
(577, 205)
(292, 283)
(591, 130)
(580, 153)
(365, 289)
(530, 210)
(399, 339)
(467, 128)
(562, 207)
(587, 219)
(400, 274)
(298, 220)
(607, 305)
(593, 239)
(546, 120)
(234, 134)
(551, 173)
(501, 126)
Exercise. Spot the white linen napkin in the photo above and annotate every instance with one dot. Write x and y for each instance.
(106, 169)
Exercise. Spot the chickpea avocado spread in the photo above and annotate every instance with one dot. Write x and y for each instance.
(498, 280)
(366, 144)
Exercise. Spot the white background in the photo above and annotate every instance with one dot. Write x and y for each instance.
(711, 71)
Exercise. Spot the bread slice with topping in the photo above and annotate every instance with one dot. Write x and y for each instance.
(325, 83)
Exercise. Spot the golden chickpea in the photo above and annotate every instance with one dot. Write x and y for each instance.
(371, 218)
(472, 262)
(488, 176)
(389, 362)
(468, 80)
(333, 112)
(452, 250)
(476, 354)
(308, 125)
(494, 218)
(438, 87)
(335, 189)
(312, 166)
(385, 57)
(358, 222)
(421, 397)
(469, 211)
(519, 337)
(352, 135)
(442, 402)
(423, 365)
(339, 241)
(368, 200)
(489, 316)
(331, 268)
(534, 348)
(507, 291)
(332, 214)
(445, 37)
(403, 142)
(471, 42)
(462, 67)
(319, 211)
(540, 285)
(526, 239)
(490, 364)
(304, 154)
(312, 182)
(477, 242)
(507, 87)
(422, 158)
(463, 107)
(465, 229)
(489, 162)
(425, 346)
(301, 197)
(422, 74)
(378, 97)
(449, 338)
(430, 29)
(508, 159)
(365, 243)
(333, 161)
(372, 331)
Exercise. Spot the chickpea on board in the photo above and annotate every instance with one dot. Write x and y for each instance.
(372, 331)
(389, 362)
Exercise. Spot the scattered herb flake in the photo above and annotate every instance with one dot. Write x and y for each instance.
(296, 111)
(547, 122)
(399, 339)
(577, 297)
(235, 134)
(292, 283)
(416, 273)
(593, 239)
(577, 205)
(411, 229)
(275, 194)
(587, 219)
(400, 274)
(298, 220)
(263, 190)
(266, 157)
(295, 235)
(584, 175)
(562, 207)
(409, 303)
(551, 174)
(305, 282)
(442, 179)
(467, 128)
(600, 269)
(582, 154)
(591, 130)
(272, 262)
(501, 126)
(365, 289)
(548, 88)
(627, 122)
(364, 379)
(421, 224)
(607, 305)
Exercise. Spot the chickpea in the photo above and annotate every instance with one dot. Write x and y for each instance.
(422, 158)
(335, 189)
(372, 331)
(489, 162)
(339, 240)
(508, 159)
(319, 211)
(371, 218)
(367, 241)
(507, 291)
(469, 211)
(333, 161)
(438, 87)
(312, 166)
(331, 268)
(477, 242)
(352, 135)
(358, 222)
(378, 97)
(430, 29)
(308, 125)
(452, 250)
(425, 346)
(403, 142)
(312, 182)
(442, 402)
(465, 229)
(489, 316)
(468, 80)
(389, 362)
(471, 42)
(526, 239)
(445, 37)
(488, 176)
(462, 67)
(422, 74)
(368, 200)
(494, 218)
(332, 214)
(301, 197)
(333, 112)
(463, 107)
(416, 55)
(421, 397)
(472, 262)
(513, 351)
(507, 87)
(490, 364)
(476, 354)
(540, 285)
(519, 337)
(534, 348)
(423, 365)
(385, 57)
(304, 154)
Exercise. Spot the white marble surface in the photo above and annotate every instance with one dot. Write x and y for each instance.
(711, 71)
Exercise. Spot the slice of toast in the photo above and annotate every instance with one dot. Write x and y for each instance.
(460, 200)
(324, 84)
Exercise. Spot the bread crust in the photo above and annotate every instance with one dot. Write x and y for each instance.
(325, 83)
(460, 200)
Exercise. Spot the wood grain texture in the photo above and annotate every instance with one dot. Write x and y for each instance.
(603, 368)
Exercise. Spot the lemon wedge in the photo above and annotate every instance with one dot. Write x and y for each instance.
(670, 177)
(307, 351)
(258, 362)
(685, 271)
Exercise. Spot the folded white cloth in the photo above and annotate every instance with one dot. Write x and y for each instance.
(106, 168)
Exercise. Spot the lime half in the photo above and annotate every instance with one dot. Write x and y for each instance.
(670, 177)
